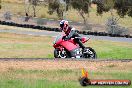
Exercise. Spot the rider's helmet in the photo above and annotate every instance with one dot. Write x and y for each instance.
(64, 25)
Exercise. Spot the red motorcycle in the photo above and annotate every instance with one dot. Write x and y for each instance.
(70, 49)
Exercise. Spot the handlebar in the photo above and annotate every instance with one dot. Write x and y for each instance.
(78, 37)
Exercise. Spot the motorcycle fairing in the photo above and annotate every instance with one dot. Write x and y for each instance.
(69, 45)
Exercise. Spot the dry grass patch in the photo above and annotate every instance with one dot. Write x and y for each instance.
(61, 69)
(15, 45)
(13, 1)
(63, 64)
(5, 27)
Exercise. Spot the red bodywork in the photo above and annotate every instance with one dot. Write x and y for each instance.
(69, 44)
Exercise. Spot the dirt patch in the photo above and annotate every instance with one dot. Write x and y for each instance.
(62, 64)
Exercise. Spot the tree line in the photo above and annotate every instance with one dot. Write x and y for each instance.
(123, 7)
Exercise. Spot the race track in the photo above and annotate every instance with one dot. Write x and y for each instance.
(54, 34)
(67, 59)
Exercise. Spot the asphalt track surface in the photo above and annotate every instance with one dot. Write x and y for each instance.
(54, 34)
(66, 59)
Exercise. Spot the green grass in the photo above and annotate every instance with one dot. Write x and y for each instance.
(40, 83)
(18, 78)
(109, 49)
(26, 46)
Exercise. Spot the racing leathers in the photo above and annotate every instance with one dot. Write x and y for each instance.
(72, 33)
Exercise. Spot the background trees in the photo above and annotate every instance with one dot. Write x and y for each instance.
(61, 6)
(31, 6)
(123, 7)
(82, 6)
(56, 6)
(0, 4)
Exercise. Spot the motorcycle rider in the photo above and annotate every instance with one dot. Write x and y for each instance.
(70, 33)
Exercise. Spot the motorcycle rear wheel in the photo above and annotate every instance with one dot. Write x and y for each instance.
(89, 53)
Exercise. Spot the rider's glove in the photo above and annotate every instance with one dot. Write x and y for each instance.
(65, 38)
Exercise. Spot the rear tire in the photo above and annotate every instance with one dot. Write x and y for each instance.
(89, 53)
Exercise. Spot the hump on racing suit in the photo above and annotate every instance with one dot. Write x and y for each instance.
(71, 33)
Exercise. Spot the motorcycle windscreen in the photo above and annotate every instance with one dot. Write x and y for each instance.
(69, 45)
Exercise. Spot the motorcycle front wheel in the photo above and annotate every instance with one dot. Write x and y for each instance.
(89, 53)
(60, 54)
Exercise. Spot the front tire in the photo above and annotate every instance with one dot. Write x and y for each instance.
(89, 53)
(60, 54)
